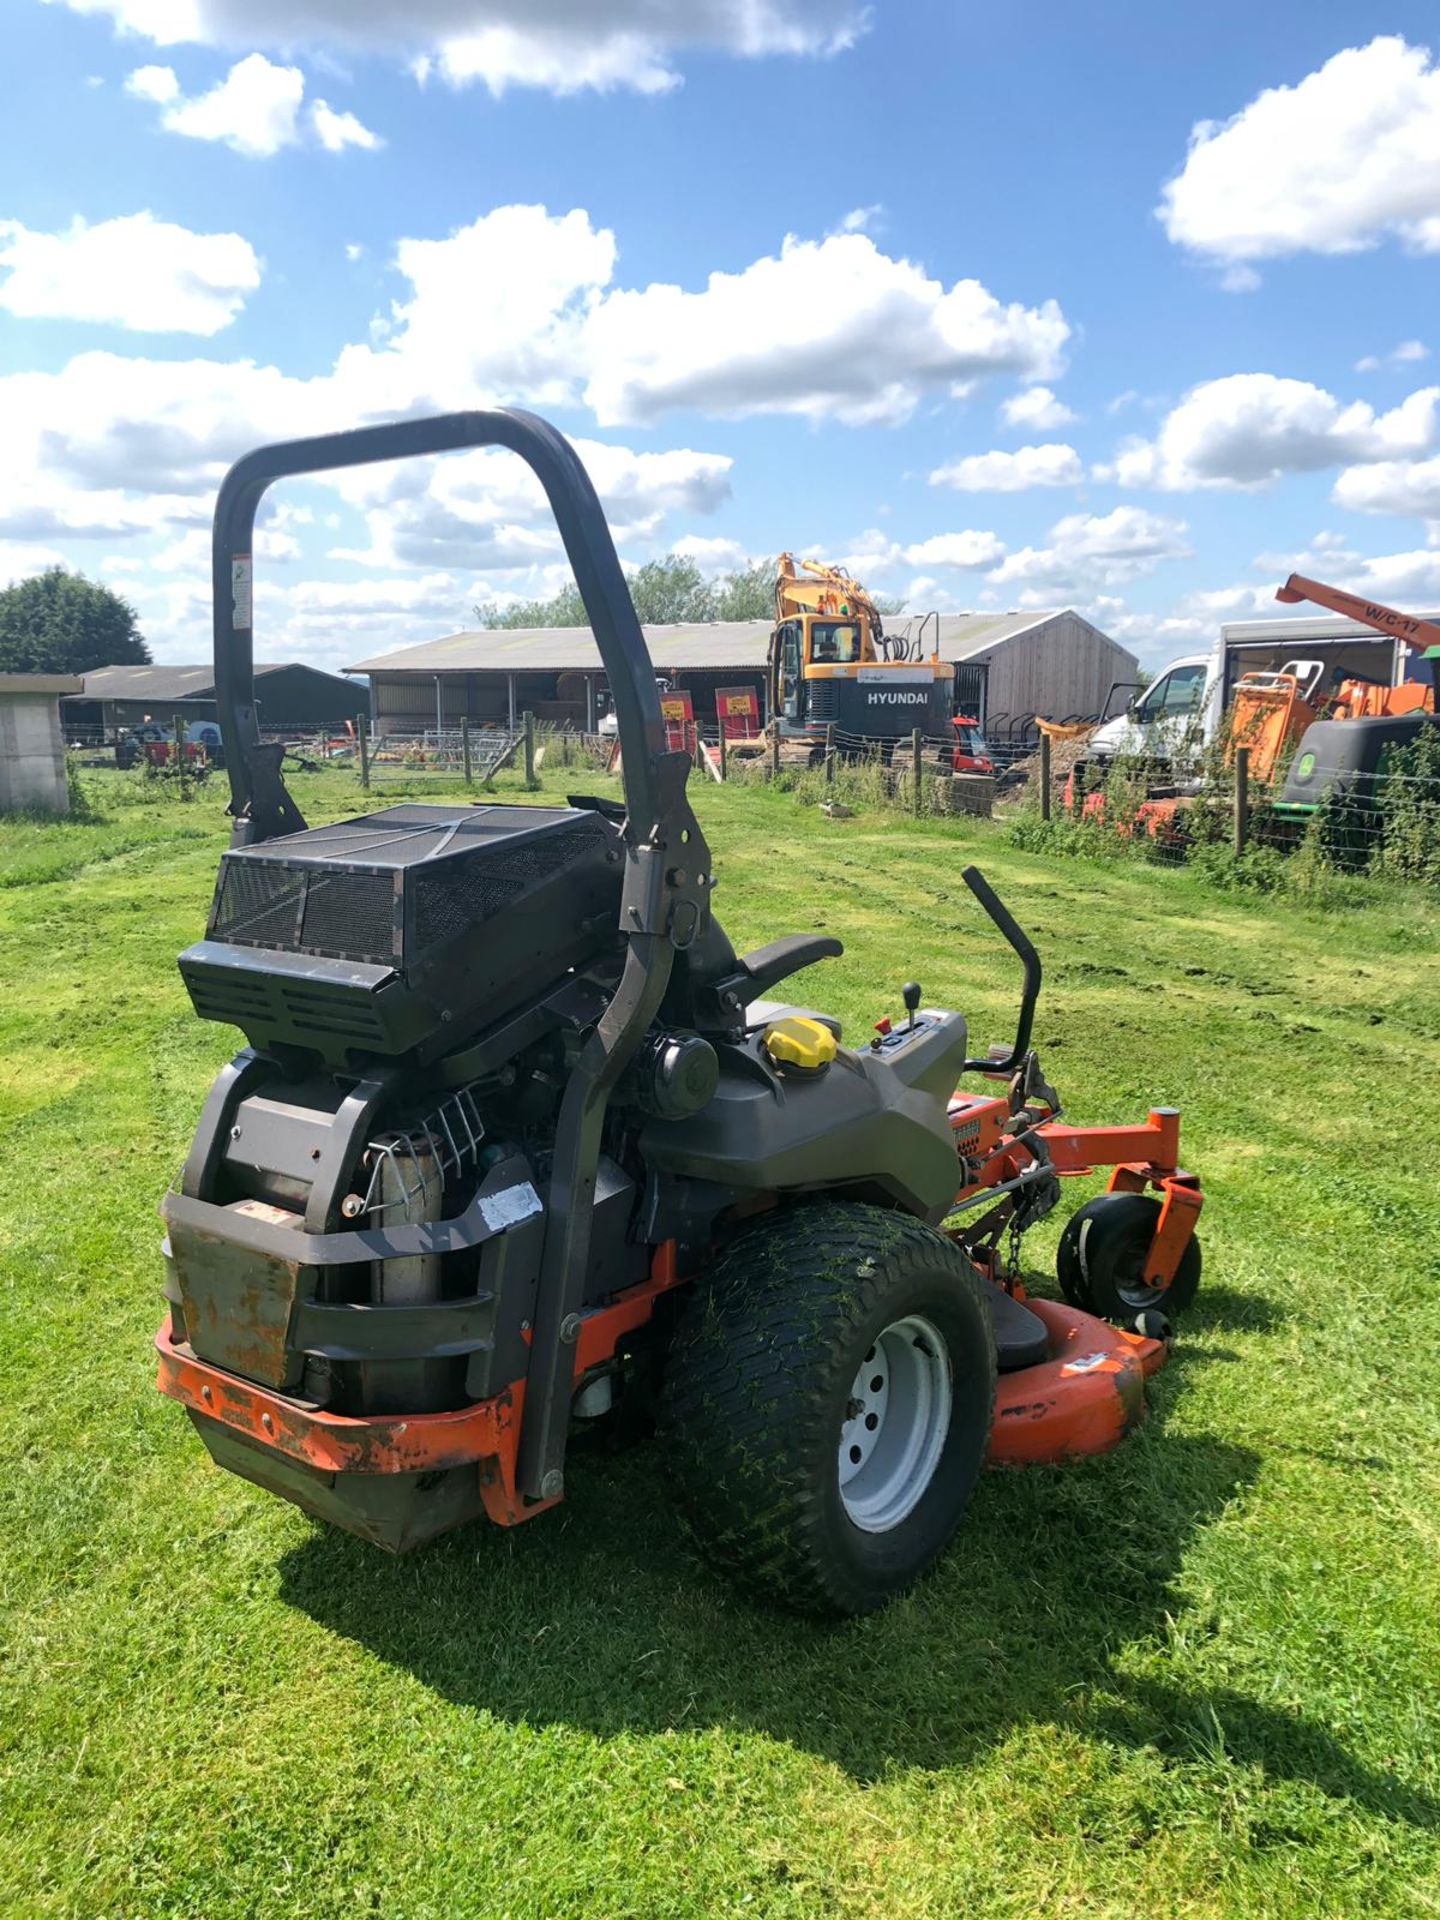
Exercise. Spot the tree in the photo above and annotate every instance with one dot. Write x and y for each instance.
(60, 622)
(664, 591)
(747, 594)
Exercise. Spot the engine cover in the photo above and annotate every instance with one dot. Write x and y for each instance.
(404, 928)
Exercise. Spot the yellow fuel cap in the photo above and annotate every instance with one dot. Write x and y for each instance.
(797, 1042)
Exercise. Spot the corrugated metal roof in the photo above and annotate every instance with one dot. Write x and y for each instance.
(148, 683)
(161, 681)
(714, 643)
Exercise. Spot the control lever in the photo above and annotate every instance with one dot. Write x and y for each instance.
(910, 994)
(1029, 959)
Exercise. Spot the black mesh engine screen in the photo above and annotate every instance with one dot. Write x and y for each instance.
(351, 891)
(451, 899)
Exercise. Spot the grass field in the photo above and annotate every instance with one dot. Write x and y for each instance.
(1198, 1677)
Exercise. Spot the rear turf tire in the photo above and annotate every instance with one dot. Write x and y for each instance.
(800, 1477)
(1101, 1260)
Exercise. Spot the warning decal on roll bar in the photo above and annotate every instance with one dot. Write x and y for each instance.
(242, 582)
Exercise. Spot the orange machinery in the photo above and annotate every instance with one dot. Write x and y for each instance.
(1366, 699)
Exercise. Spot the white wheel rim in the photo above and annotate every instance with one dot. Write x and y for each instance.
(896, 1420)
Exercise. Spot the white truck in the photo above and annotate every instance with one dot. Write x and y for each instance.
(1179, 713)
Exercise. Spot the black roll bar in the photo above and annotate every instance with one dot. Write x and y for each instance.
(665, 893)
(258, 797)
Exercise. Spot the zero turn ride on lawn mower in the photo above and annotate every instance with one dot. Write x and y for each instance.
(520, 1145)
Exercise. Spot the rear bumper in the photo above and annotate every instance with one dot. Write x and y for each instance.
(336, 1442)
(396, 1479)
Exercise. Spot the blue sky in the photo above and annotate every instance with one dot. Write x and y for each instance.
(959, 295)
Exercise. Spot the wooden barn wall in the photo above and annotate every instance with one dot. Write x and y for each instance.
(1062, 668)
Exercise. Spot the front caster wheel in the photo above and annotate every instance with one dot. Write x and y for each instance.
(1101, 1261)
(827, 1405)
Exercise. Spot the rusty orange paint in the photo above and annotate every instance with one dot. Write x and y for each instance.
(335, 1442)
(1083, 1399)
(485, 1434)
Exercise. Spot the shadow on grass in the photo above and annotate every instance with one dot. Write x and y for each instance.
(1227, 1310)
(597, 1616)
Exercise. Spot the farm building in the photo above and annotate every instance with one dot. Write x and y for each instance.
(289, 695)
(1010, 665)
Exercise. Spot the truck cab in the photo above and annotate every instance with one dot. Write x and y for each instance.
(1177, 713)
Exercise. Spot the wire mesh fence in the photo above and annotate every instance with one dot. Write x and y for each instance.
(1266, 832)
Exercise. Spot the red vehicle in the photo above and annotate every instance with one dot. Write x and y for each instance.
(972, 755)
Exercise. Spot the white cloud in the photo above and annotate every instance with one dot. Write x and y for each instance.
(135, 272)
(558, 61)
(1332, 165)
(1391, 486)
(1248, 429)
(560, 45)
(336, 131)
(123, 449)
(20, 558)
(486, 509)
(970, 549)
(253, 110)
(1052, 465)
(712, 554)
(1410, 580)
(830, 329)
(1153, 638)
(1408, 354)
(499, 306)
(159, 85)
(861, 219)
(1036, 409)
(1085, 552)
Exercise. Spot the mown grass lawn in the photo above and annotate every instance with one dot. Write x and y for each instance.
(1199, 1677)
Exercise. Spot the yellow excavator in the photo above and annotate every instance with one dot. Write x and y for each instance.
(832, 664)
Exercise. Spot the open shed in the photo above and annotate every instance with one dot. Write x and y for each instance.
(1017, 664)
(289, 697)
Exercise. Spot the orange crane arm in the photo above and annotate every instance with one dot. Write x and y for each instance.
(1404, 626)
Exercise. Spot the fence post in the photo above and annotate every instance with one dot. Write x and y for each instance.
(465, 746)
(177, 721)
(362, 737)
(830, 753)
(774, 749)
(529, 720)
(724, 754)
(915, 749)
(1242, 799)
(1044, 776)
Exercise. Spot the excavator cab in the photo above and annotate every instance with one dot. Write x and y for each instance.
(832, 666)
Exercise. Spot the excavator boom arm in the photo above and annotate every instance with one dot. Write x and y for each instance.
(1422, 634)
(808, 586)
